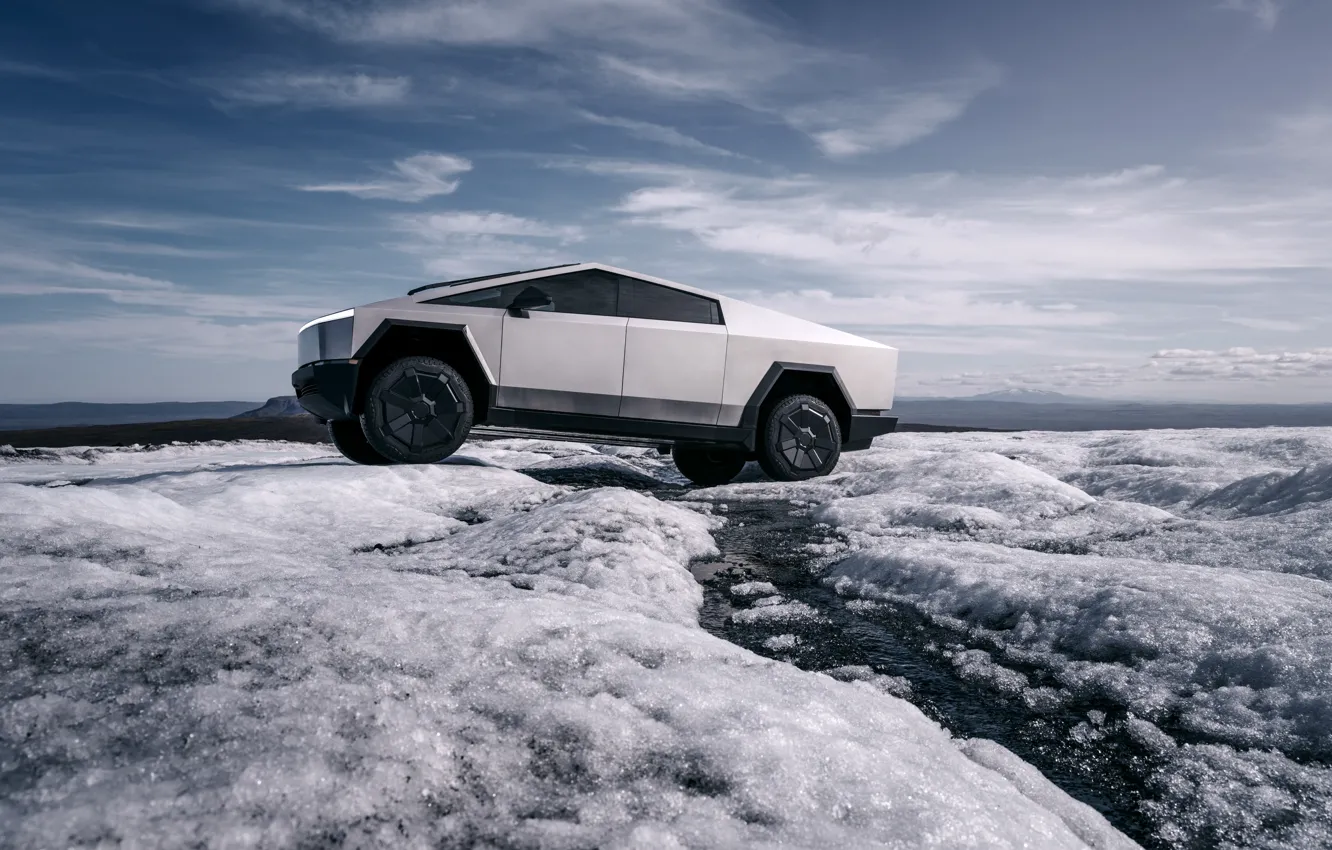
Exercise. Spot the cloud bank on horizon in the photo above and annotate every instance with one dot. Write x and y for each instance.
(1059, 198)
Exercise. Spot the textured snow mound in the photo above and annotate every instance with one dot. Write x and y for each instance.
(1274, 492)
(292, 651)
(1183, 577)
(1244, 656)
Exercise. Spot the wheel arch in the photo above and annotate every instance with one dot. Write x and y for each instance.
(785, 379)
(453, 343)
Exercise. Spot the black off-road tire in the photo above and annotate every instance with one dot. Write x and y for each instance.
(708, 466)
(799, 438)
(349, 439)
(418, 410)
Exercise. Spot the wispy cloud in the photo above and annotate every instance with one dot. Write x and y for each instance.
(683, 46)
(655, 133)
(487, 224)
(18, 270)
(1123, 177)
(187, 337)
(885, 121)
(1301, 138)
(984, 232)
(1278, 325)
(1264, 12)
(311, 89)
(9, 67)
(1169, 366)
(680, 49)
(1158, 375)
(934, 308)
(416, 178)
(1241, 364)
(466, 242)
(41, 275)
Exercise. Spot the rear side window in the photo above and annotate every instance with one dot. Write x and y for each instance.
(651, 301)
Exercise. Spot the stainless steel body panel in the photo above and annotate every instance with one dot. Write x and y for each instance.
(551, 355)
(759, 337)
(673, 371)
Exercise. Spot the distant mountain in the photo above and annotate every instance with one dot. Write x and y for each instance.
(1075, 415)
(282, 405)
(64, 414)
(1026, 396)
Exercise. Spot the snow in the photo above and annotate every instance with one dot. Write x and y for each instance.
(256, 644)
(1180, 576)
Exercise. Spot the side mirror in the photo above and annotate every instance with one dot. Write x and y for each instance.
(529, 299)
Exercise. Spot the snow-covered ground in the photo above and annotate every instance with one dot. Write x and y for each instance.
(258, 644)
(1180, 577)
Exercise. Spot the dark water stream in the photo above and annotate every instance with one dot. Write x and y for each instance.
(1095, 762)
(766, 541)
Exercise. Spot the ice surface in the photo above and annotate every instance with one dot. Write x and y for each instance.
(256, 645)
(754, 588)
(1183, 576)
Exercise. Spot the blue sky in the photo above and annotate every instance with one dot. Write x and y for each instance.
(1128, 199)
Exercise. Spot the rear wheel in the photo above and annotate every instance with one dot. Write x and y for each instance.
(349, 439)
(708, 467)
(418, 410)
(799, 439)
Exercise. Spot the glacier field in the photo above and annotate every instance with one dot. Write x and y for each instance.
(1041, 640)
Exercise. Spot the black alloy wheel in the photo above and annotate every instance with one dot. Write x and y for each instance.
(349, 438)
(708, 466)
(418, 410)
(800, 439)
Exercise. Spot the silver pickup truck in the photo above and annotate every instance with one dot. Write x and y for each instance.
(594, 353)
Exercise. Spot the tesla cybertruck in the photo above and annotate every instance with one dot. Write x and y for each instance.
(596, 354)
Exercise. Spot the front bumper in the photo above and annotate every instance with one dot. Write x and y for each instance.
(864, 428)
(327, 389)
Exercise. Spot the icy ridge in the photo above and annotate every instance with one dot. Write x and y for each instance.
(1183, 576)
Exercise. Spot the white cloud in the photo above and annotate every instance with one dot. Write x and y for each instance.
(25, 274)
(1265, 12)
(884, 121)
(457, 244)
(1166, 367)
(10, 67)
(417, 177)
(182, 336)
(683, 49)
(451, 224)
(1123, 177)
(315, 89)
(979, 232)
(673, 46)
(655, 133)
(1241, 364)
(934, 308)
(1278, 325)
(1302, 138)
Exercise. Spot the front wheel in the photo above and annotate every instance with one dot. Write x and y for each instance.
(418, 410)
(708, 467)
(349, 439)
(799, 439)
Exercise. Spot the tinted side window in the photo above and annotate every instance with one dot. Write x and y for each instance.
(592, 293)
(495, 296)
(650, 301)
